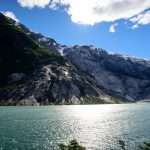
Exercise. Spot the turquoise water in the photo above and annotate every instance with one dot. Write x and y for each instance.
(97, 127)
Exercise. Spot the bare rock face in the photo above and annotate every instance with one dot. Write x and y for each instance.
(122, 76)
(59, 85)
(27, 102)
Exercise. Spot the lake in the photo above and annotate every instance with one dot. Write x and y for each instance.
(97, 127)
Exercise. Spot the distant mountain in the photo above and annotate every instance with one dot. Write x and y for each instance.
(35, 67)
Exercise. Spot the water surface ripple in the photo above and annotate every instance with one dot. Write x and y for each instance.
(97, 127)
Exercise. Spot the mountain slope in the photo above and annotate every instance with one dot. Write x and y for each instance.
(122, 76)
(30, 71)
(19, 52)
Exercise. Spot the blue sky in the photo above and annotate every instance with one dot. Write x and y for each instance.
(71, 25)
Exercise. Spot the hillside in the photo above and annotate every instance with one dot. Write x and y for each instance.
(18, 51)
(36, 67)
(123, 76)
(30, 71)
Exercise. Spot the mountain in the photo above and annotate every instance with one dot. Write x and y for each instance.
(33, 70)
(19, 52)
(122, 76)
(35, 67)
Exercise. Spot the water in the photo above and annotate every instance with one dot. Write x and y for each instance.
(97, 127)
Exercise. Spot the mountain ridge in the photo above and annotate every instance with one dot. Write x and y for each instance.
(82, 75)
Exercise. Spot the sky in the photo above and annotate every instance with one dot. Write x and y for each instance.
(120, 26)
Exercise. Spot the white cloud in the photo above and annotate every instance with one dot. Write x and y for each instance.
(135, 26)
(10, 15)
(91, 12)
(33, 3)
(54, 4)
(112, 28)
(143, 18)
(95, 11)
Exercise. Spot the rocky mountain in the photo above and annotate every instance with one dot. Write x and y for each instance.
(33, 70)
(122, 76)
(35, 67)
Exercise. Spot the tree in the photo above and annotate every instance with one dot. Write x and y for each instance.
(73, 145)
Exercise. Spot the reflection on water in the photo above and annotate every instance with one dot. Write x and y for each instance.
(94, 126)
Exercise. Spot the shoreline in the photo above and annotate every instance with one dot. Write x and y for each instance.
(72, 104)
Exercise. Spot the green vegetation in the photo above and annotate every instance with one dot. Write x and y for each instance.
(19, 52)
(122, 144)
(73, 145)
(93, 100)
